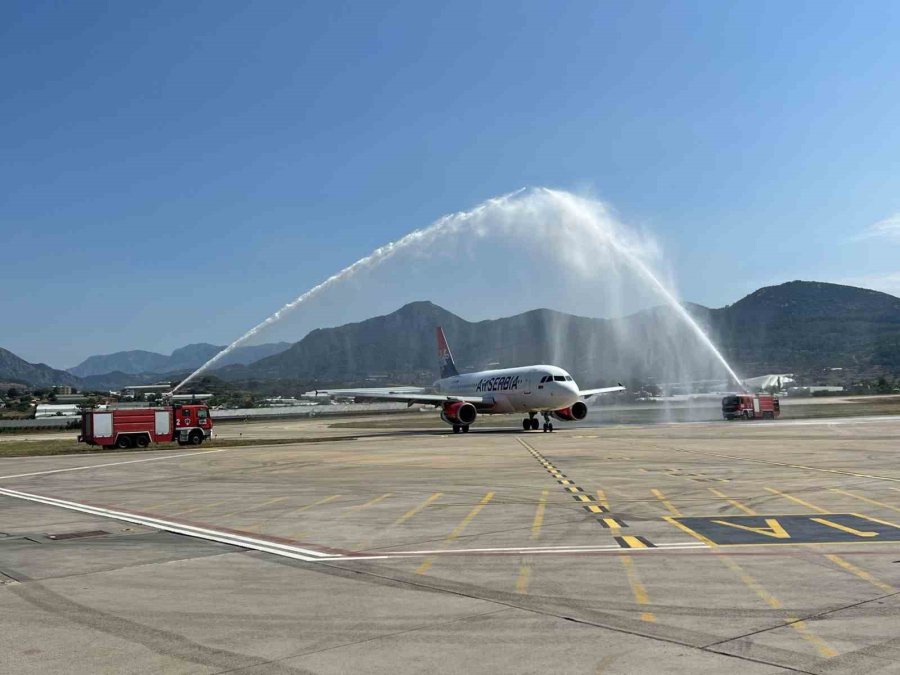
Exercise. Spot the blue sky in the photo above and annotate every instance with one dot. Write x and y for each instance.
(172, 172)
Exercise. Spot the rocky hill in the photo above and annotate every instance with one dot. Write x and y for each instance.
(189, 357)
(797, 326)
(804, 327)
(15, 369)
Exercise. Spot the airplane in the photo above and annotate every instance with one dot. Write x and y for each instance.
(540, 389)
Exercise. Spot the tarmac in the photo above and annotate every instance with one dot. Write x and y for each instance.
(763, 547)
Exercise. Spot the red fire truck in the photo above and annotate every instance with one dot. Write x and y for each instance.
(188, 424)
(751, 407)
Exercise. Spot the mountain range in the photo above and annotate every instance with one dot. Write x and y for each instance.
(18, 371)
(794, 327)
(186, 358)
(799, 326)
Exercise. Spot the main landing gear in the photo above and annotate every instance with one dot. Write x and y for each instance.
(460, 427)
(530, 423)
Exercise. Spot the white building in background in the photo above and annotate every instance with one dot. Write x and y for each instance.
(281, 402)
(809, 391)
(780, 380)
(61, 410)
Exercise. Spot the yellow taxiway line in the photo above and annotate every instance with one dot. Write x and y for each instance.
(416, 509)
(428, 562)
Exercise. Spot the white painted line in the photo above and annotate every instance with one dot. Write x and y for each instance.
(538, 549)
(312, 555)
(130, 461)
(224, 537)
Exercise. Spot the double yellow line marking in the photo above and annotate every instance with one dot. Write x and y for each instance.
(371, 502)
(416, 509)
(833, 557)
(577, 493)
(824, 649)
(458, 530)
(525, 568)
(865, 499)
(637, 588)
(736, 504)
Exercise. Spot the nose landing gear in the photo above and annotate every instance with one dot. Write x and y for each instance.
(548, 425)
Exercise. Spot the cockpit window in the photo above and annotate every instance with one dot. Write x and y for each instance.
(559, 378)
(546, 378)
(569, 378)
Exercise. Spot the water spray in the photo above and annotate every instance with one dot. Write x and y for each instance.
(577, 229)
(672, 301)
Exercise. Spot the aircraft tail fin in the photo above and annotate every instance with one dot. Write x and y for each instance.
(448, 368)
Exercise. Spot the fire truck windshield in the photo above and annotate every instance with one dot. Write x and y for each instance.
(730, 403)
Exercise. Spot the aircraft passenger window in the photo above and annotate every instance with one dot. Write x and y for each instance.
(559, 378)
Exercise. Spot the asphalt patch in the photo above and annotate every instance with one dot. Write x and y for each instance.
(819, 528)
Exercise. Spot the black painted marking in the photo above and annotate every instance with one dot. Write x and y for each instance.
(579, 495)
(791, 529)
(593, 507)
(604, 522)
(76, 535)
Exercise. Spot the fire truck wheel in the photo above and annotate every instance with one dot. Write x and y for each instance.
(123, 442)
(142, 441)
(196, 438)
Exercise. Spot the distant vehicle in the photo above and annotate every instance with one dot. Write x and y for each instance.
(546, 390)
(187, 424)
(751, 407)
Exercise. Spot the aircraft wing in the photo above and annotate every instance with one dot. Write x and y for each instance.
(409, 395)
(587, 393)
(368, 390)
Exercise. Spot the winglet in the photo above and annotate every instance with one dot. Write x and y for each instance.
(448, 368)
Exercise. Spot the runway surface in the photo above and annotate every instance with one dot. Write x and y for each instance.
(764, 547)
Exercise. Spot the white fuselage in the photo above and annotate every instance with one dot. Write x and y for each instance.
(514, 390)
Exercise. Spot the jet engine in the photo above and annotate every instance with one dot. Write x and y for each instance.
(577, 411)
(459, 412)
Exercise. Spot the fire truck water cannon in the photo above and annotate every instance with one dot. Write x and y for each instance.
(577, 411)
